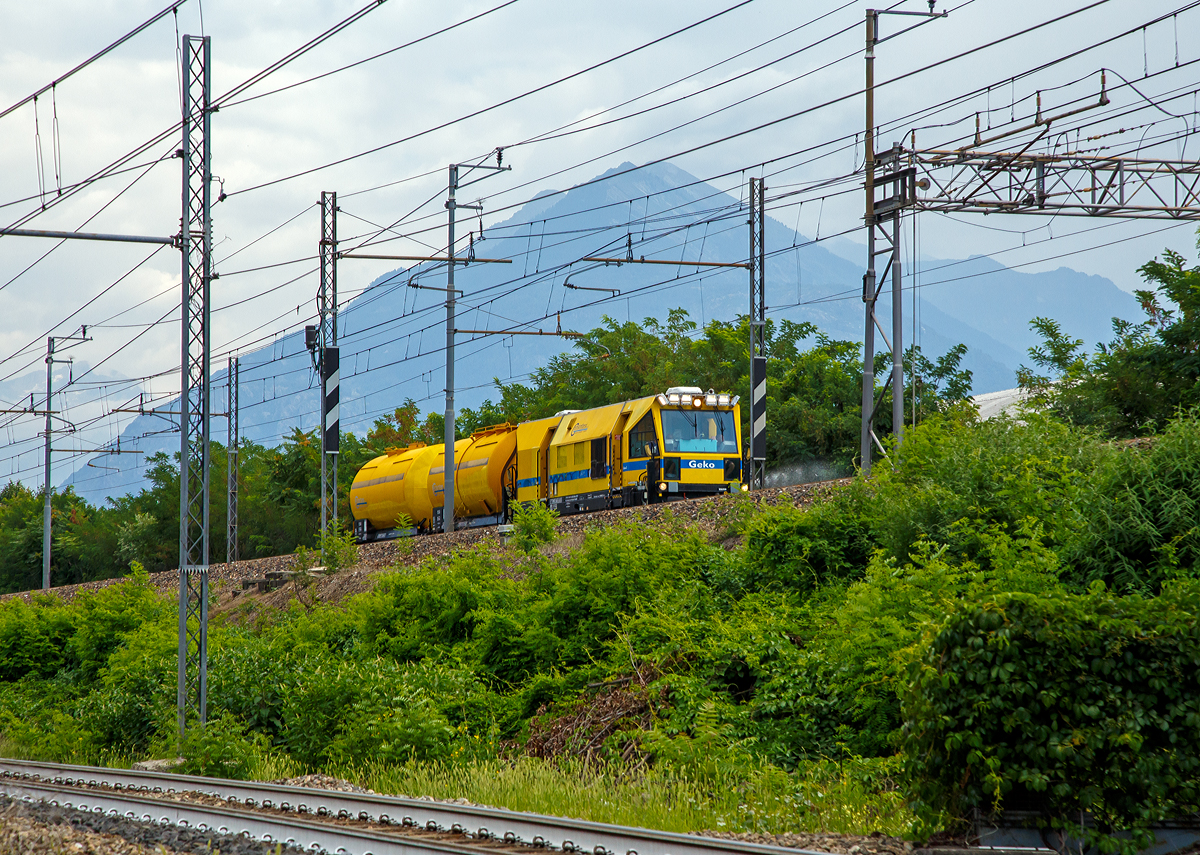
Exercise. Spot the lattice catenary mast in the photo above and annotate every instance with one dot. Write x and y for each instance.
(196, 246)
(978, 179)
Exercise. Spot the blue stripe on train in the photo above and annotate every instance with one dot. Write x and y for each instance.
(635, 466)
(528, 482)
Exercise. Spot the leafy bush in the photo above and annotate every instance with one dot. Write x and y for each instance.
(533, 525)
(105, 617)
(390, 725)
(220, 748)
(1138, 381)
(837, 691)
(800, 550)
(1141, 516)
(336, 550)
(955, 477)
(1060, 703)
(33, 637)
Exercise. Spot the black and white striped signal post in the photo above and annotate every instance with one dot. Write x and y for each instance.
(756, 471)
(327, 359)
(330, 377)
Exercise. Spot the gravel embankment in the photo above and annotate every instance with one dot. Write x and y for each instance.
(842, 844)
(27, 828)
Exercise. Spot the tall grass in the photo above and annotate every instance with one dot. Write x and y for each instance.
(855, 797)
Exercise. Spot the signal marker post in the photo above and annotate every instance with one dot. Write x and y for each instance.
(330, 380)
(327, 338)
(757, 476)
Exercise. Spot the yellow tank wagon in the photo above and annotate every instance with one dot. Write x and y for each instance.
(680, 444)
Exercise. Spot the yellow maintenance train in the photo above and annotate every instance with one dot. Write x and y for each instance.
(680, 444)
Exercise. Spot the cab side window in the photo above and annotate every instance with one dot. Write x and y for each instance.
(642, 437)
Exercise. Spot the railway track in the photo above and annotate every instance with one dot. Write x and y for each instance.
(339, 822)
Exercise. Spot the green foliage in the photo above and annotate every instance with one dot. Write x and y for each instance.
(790, 549)
(1141, 520)
(838, 692)
(33, 637)
(815, 395)
(1134, 384)
(1060, 703)
(533, 525)
(136, 538)
(336, 550)
(104, 618)
(711, 752)
(220, 748)
(956, 477)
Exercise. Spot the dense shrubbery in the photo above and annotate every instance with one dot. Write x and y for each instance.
(1140, 523)
(1059, 704)
(754, 665)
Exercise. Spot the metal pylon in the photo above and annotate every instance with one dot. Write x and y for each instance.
(196, 246)
(890, 193)
(757, 459)
(327, 319)
(234, 467)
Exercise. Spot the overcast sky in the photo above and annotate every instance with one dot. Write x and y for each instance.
(132, 94)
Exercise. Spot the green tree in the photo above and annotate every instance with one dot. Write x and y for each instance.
(1134, 384)
(814, 392)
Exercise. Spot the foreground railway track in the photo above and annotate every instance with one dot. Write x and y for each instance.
(334, 821)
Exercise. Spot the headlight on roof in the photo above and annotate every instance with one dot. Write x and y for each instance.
(662, 400)
(698, 401)
(710, 399)
(722, 400)
(673, 398)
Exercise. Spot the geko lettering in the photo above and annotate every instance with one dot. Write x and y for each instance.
(701, 464)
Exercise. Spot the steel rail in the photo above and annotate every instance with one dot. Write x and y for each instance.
(275, 828)
(549, 832)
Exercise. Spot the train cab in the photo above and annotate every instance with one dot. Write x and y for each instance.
(698, 444)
